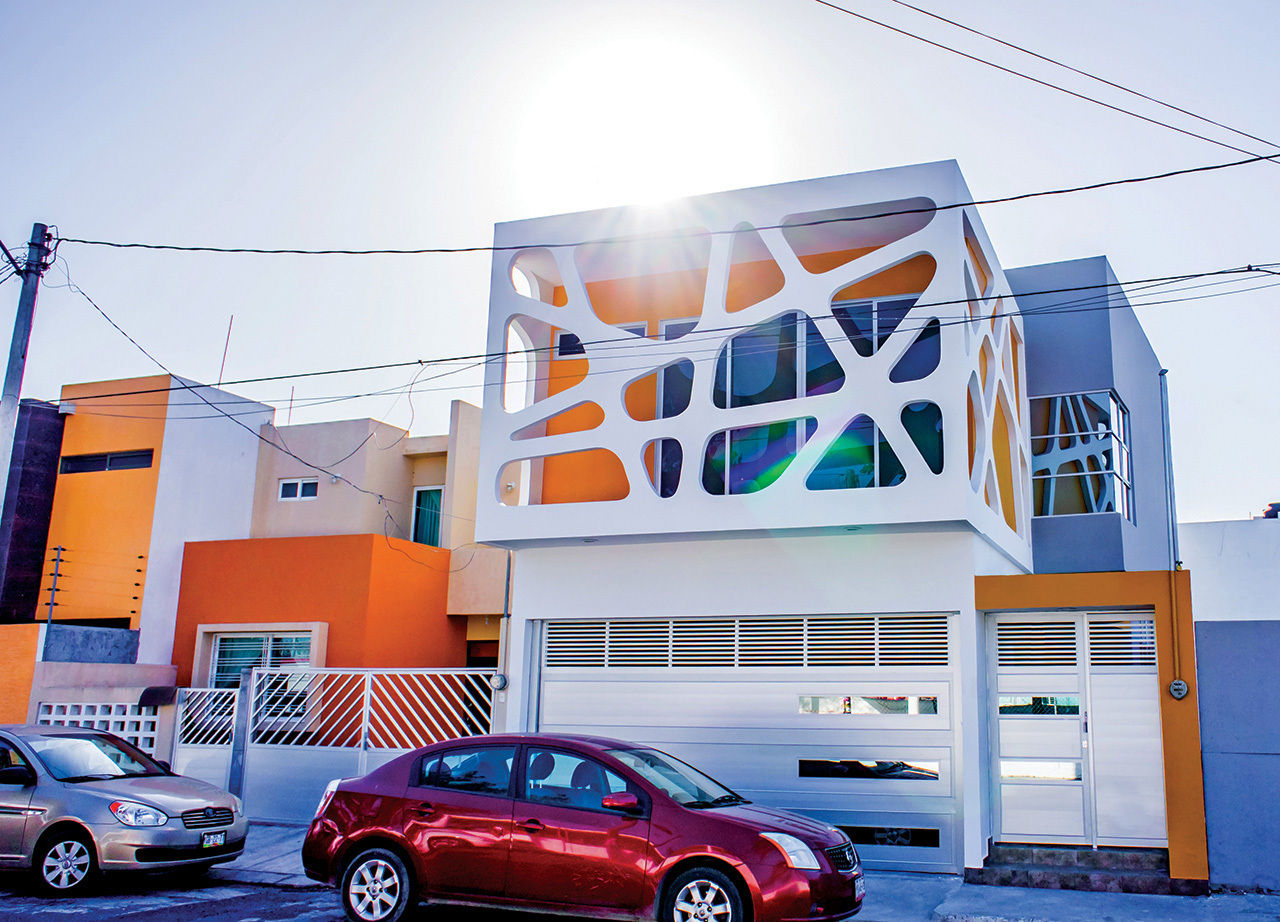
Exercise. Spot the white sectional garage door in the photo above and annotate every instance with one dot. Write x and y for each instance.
(847, 718)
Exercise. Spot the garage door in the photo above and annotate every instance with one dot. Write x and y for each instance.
(846, 718)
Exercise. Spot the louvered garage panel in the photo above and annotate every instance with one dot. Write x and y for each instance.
(847, 718)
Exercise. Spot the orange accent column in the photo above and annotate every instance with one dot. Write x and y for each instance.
(1179, 720)
(18, 643)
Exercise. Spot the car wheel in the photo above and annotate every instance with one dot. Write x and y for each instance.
(702, 895)
(376, 887)
(64, 864)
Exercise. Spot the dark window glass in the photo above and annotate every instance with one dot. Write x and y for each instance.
(289, 489)
(129, 460)
(484, 770)
(879, 769)
(854, 457)
(823, 374)
(903, 837)
(757, 455)
(923, 422)
(670, 459)
(921, 357)
(80, 464)
(309, 489)
(568, 344)
(426, 771)
(566, 780)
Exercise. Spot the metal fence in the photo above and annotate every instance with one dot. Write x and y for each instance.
(286, 732)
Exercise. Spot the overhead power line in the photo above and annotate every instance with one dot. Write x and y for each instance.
(699, 234)
(479, 358)
(1100, 300)
(1045, 83)
(1085, 73)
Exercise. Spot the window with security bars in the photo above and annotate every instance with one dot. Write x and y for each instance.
(235, 652)
(1080, 455)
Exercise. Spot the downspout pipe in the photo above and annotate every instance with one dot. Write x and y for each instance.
(1171, 509)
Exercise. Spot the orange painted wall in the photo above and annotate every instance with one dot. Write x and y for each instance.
(594, 477)
(18, 651)
(383, 599)
(103, 518)
(1179, 720)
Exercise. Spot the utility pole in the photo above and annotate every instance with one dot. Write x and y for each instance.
(30, 273)
(37, 251)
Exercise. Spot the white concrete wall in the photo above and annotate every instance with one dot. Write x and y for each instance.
(204, 493)
(1235, 569)
(917, 571)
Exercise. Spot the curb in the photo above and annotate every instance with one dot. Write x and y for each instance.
(266, 878)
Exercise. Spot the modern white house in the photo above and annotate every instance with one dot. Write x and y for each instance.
(807, 490)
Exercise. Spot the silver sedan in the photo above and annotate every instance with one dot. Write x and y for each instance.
(74, 802)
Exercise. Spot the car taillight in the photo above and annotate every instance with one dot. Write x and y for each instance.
(327, 796)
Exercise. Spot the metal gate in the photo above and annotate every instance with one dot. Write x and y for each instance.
(285, 733)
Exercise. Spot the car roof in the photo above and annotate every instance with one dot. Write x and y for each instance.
(28, 731)
(590, 742)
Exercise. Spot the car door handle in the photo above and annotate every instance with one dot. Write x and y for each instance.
(422, 809)
(531, 825)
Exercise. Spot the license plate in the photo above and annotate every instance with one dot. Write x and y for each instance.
(213, 839)
(859, 888)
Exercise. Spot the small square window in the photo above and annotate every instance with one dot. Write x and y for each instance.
(296, 489)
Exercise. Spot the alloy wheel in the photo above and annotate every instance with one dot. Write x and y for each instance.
(374, 890)
(703, 901)
(66, 864)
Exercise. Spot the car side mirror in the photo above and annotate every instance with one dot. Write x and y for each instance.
(17, 774)
(165, 765)
(624, 801)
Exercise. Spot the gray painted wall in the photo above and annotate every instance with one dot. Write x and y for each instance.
(71, 643)
(1240, 737)
(1077, 351)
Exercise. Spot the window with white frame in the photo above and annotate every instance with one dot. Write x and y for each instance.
(1080, 455)
(426, 515)
(298, 488)
(234, 652)
(569, 345)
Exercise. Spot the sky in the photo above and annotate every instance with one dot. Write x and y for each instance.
(321, 124)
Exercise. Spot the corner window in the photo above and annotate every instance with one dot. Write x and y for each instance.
(299, 488)
(1080, 455)
(426, 515)
(234, 652)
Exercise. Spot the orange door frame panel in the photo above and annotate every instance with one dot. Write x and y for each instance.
(1179, 720)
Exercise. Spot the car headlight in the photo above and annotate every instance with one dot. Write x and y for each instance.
(798, 854)
(135, 814)
(237, 805)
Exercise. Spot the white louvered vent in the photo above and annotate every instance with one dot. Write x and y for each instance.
(575, 643)
(639, 643)
(826, 641)
(771, 642)
(844, 641)
(1122, 642)
(1036, 643)
(914, 640)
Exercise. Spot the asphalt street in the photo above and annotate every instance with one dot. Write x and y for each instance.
(159, 898)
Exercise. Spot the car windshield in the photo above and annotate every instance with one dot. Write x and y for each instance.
(678, 780)
(91, 758)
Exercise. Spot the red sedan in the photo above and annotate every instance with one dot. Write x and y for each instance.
(584, 825)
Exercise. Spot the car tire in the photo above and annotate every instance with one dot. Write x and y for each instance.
(702, 887)
(64, 864)
(377, 887)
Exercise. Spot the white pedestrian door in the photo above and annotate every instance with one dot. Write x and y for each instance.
(1076, 744)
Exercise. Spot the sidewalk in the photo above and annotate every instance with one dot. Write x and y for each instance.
(273, 857)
